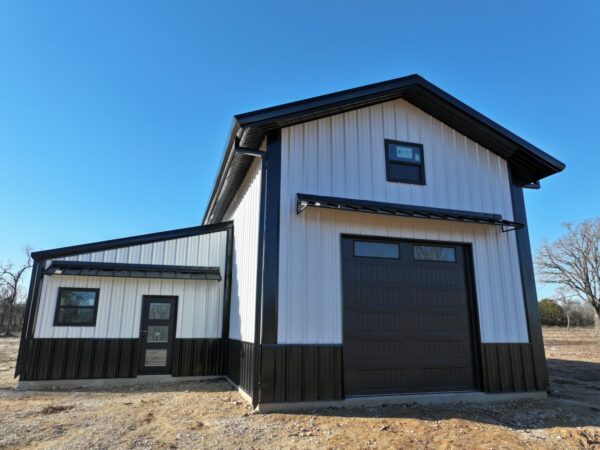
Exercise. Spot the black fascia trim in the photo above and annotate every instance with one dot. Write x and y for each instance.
(91, 323)
(107, 269)
(226, 160)
(391, 88)
(266, 116)
(252, 125)
(399, 210)
(132, 240)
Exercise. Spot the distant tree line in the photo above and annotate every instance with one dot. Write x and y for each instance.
(576, 314)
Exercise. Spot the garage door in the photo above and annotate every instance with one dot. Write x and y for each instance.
(407, 318)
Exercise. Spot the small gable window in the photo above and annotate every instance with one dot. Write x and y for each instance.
(76, 307)
(404, 162)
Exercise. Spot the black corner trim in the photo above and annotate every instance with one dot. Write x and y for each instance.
(227, 288)
(270, 270)
(31, 306)
(268, 256)
(132, 240)
(529, 289)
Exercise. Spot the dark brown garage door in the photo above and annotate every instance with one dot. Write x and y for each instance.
(407, 318)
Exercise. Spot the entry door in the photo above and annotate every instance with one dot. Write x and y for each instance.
(408, 319)
(157, 334)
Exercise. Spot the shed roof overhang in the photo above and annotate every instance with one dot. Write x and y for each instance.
(392, 209)
(99, 269)
(528, 163)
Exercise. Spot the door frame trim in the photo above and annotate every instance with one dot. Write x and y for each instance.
(471, 288)
(169, 368)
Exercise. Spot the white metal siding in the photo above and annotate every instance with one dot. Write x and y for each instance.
(200, 250)
(199, 310)
(244, 211)
(344, 156)
(200, 303)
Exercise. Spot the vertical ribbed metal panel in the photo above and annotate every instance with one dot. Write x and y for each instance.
(200, 250)
(293, 373)
(344, 156)
(244, 212)
(199, 357)
(509, 368)
(200, 305)
(58, 359)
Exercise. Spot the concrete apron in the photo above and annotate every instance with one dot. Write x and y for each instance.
(43, 385)
(419, 399)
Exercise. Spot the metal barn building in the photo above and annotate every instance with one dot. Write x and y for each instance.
(367, 243)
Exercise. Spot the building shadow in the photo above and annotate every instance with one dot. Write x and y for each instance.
(212, 384)
(573, 401)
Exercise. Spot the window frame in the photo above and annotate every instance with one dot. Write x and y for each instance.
(91, 323)
(388, 162)
(371, 241)
(435, 260)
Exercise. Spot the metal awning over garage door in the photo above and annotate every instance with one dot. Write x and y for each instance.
(409, 323)
(392, 209)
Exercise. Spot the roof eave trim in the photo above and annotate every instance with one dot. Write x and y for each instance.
(228, 154)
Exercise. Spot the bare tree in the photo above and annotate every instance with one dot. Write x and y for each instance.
(11, 279)
(573, 263)
(568, 303)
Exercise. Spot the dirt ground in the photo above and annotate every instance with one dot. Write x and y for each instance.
(212, 415)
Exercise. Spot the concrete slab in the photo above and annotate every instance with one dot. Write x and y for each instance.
(421, 399)
(43, 385)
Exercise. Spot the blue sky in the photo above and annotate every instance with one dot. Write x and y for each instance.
(113, 115)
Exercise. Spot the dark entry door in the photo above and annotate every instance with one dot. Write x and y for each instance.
(157, 334)
(407, 318)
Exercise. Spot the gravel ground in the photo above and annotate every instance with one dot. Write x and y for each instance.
(212, 414)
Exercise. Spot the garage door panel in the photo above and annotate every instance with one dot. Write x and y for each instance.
(418, 350)
(404, 321)
(402, 297)
(407, 324)
(393, 381)
(380, 272)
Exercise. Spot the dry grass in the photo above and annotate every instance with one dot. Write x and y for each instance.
(212, 415)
